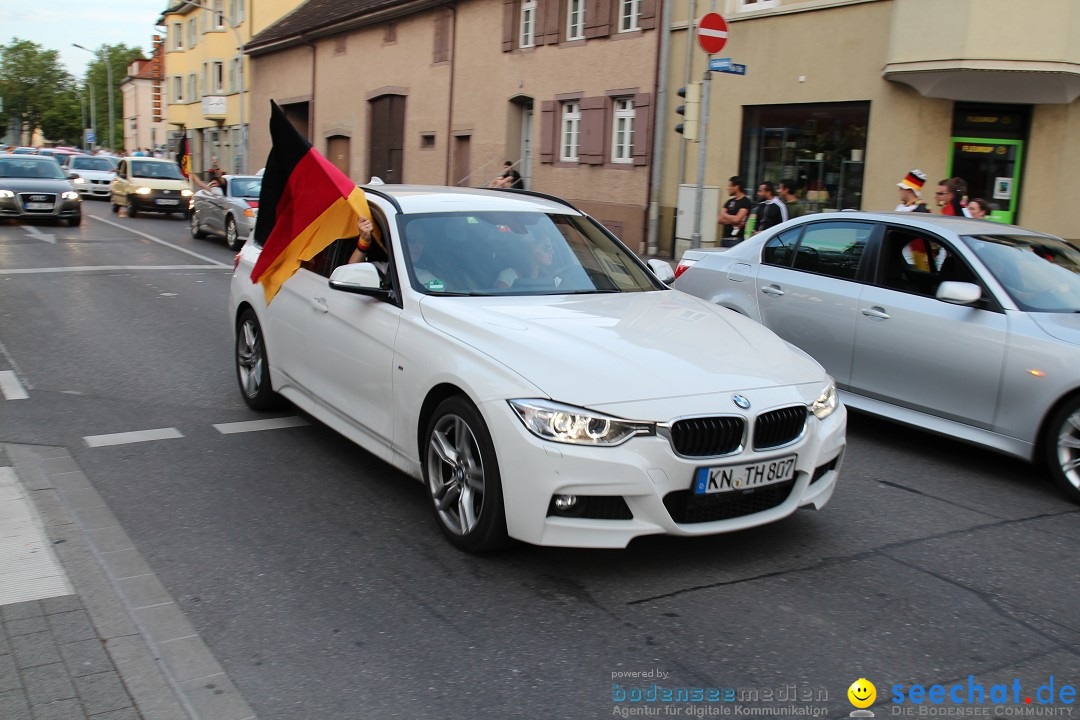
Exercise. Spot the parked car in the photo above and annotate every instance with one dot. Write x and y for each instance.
(23, 150)
(32, 186)
(539, 379)
(154, 184)
(966, 328)
(92, 175)
(228, 212)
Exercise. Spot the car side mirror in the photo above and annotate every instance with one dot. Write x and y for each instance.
(662, 270)
(360, 278)
(959, 293)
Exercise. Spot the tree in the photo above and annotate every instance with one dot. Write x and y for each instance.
(119, 57)
(62, 122)
(32, 79)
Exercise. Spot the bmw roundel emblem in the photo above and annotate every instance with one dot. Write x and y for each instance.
(741, 401)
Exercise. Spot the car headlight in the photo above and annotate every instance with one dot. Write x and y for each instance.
(577, 426)
(79, 180)
(826, 402)
(143, 191)
(70, 195)
(186, 193)
(6, 194)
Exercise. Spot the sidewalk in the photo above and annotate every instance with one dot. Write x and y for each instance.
(86, 628)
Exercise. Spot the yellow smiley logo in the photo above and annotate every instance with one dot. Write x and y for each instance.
(862, 693)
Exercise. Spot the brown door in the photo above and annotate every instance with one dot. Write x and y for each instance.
(387, 138)
(337, 150)
(461, 160)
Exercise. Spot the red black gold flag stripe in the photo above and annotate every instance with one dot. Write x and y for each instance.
(183, 157)
(305, 204)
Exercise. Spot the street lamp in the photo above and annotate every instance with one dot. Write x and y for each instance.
(108, 71)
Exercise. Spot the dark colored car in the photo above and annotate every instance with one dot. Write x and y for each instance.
(32, 186)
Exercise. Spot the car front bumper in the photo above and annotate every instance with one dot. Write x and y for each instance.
(167, 201)
(643, 472)
(58, 207)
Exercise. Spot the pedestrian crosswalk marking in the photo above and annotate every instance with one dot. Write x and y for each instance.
(256, 425)
(10, 386)
(125, 438)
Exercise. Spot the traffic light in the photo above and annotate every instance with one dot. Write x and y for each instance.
(691, 110)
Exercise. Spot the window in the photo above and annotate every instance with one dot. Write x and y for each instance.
(427, 140)
(751, 5)
(833, 248)
(629, 14)
(781, 248)
(236, 75)
(236, 11)
(622, 131)
(192, 88)
(528, 23)
(914, 263)
(219, 14)
(217, 77)
(177, 36)
(390, 33)
(442, 37)
(193, 35)
(178, 89)
(571, 132)
(575, 20)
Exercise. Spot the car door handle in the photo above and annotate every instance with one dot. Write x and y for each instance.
(319, 304)
(876, 312)
(772, 290)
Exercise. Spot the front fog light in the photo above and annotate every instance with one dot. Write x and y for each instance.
(826, 402)
(565, 502)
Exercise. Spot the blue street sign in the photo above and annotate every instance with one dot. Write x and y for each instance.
(89, 136)
(725, 65)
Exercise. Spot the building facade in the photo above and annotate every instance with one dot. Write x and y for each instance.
(846, 96)
(144, 110)
(206, 76)
(436, 93)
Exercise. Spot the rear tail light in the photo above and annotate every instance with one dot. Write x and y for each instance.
(683, 266)
(236, 261)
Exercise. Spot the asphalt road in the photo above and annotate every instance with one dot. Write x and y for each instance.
(319, 578)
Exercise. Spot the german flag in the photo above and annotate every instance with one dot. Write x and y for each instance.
(305, 204)
(183, 157)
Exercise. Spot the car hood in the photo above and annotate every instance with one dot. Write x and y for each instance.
(1063, 326)
(24, 185)
(94, 174)
(614, 347)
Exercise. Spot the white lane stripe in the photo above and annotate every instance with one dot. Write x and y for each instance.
(158, 240)
(709, 32)
(254, 425)
(92, 268)
(10, 386)
(15, 366)
(132, 437)
(40, 235)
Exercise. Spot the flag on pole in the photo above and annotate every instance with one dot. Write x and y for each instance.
(305, 204)
(183, 158)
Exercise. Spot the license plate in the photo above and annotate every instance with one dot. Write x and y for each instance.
(167, 202)
(39, 206)
(731, 478)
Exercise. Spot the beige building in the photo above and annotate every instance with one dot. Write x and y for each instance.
(425, 92)
(144, 112)
(846, 96)
(206, 76)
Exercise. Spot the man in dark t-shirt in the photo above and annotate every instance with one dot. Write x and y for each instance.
(734, 214)
(511, 178)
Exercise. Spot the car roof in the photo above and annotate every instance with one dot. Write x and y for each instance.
(147, 158)
(441, 198)
(958, 225)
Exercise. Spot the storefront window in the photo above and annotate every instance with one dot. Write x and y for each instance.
(821, 147)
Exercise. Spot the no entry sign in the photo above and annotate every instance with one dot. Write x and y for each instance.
(712, 33)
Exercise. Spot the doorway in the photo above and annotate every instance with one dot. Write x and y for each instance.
(461, 159)
(337, 152)
(387, 151)
(991, 169)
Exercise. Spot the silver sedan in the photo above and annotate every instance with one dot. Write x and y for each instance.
(230, 212)
(962, 327)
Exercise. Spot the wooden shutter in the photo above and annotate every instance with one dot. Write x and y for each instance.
(642, 128)
(442, 36)
(509, 24)
(647, 21)
(598, 18)
(553, 14)
(547, 131)
(593, 130)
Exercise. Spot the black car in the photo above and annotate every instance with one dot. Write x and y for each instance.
(35, 187)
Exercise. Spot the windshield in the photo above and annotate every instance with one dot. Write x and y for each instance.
(517, 253)
(28, 167)
(245, 187)
(157, 170)
(91, 163)
(1041, 274)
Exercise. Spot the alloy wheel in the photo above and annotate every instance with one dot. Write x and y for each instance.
(250, 358)
(1068, 448)
(456, 474)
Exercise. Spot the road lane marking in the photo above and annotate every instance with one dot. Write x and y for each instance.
(47, 237)
(160, 241)
(10, 386)
(132, 437)
(255, 425)
(91, 268)
(15, 366)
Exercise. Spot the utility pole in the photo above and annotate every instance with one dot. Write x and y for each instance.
(108, 73)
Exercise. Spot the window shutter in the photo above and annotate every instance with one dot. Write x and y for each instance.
(553, 14)
(547, 131)
(509, 24)
(642, 128)
(593, 130)
(598, 18)
(647, 21)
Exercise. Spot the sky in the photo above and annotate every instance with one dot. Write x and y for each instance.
(56, 24)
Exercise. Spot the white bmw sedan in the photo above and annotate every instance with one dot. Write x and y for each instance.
(538, 378)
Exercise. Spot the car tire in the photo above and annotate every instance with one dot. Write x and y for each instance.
(115, 207)
(253, 364)
(75, 221)
(232, 235)
(193, 224)
(461, 473)
(132, 210)
(1061, 445)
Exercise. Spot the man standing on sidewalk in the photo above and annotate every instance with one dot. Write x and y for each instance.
(733, 215)
(771, 211)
